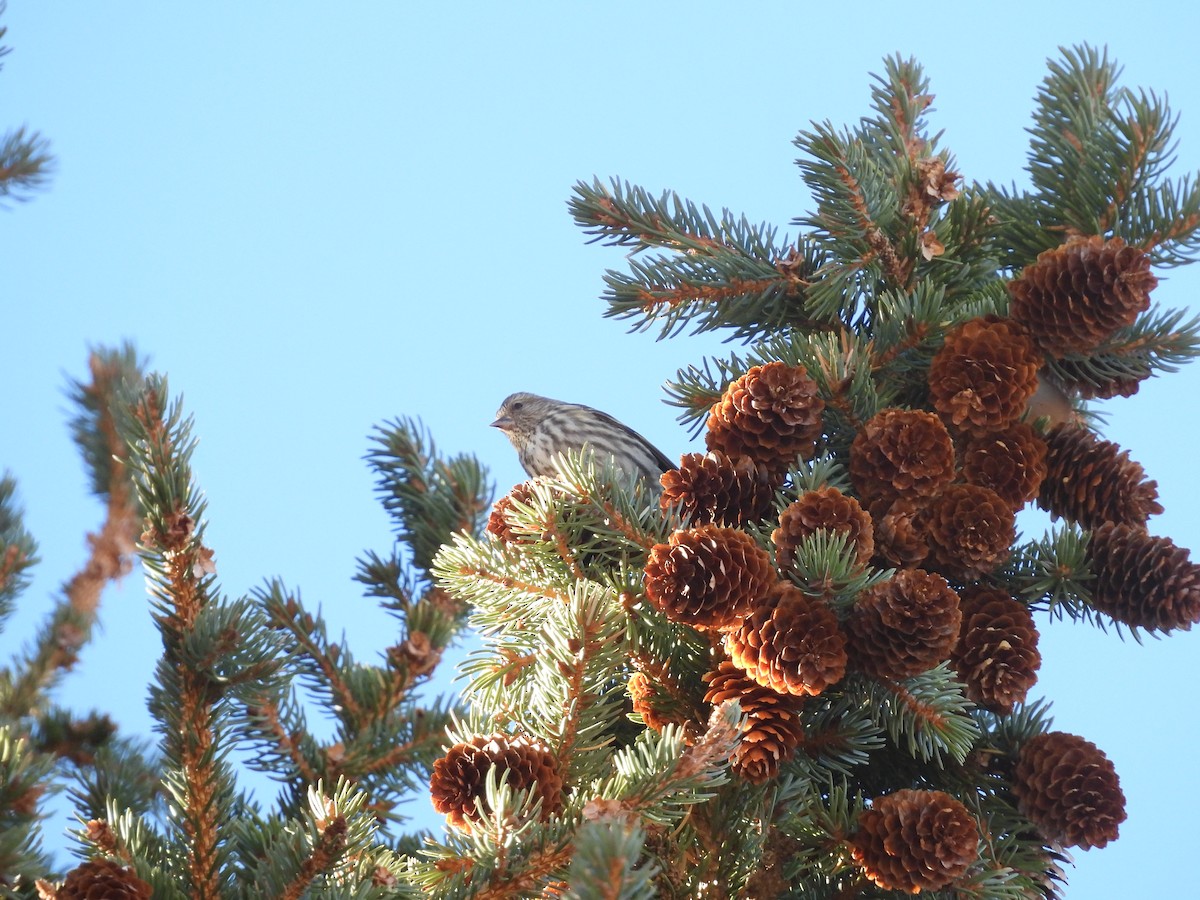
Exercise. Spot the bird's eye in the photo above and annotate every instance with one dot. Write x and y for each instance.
(517, 405)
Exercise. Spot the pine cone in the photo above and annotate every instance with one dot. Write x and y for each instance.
(708, 577)
(460, 777)
(971, 531)
(900, 538)
(827, 508)
(1012, 463)
(103, 879)
(1143, 581)
(904, 626)
(772, 729)
(790, 643)
(996, 656)
(1068, 788)
(901, 453)
(984, 376)
(657, 708)
(498, 524)
(916, 841)
(1077, 294)
(710, 487)
(772, 414)
(1091, 481)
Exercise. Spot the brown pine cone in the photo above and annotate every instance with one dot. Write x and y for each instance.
(901, 453)
(103, 879)
(710, 487)
(827, 508)
(996, 656)
(1011, 463)
(1068, 788)
(772, 729)
(708, 577)
(1143, 581)
(498, 524)
(657, 707)
(790, 643)
(916, 841)
(984, 376)
(460, 777)
(971, 531)
(772, 414)
(904, 626)
(900, 539)
(1091, 481)
(1077, 294)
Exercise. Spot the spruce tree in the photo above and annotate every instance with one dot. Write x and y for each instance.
(805, 668)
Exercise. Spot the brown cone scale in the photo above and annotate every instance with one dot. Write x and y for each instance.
(1092, 481)
(985, 375)
(1069, 789)
(709, 576)
(103, 879)
(772, 415)
(1012, 463)
(903, 626)
(1077, 294)
(1144, 581)
(771, 731)
(915, 841)
(996, 656)
(970, 530)
(791, 643)
(826, 508)
(460, 777)
(711, 487)
(901, 454)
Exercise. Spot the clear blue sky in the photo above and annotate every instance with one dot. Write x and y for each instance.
(315, 217)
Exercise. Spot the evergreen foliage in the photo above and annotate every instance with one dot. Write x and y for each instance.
(651, 794)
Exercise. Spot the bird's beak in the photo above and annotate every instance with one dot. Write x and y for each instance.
(503, 423)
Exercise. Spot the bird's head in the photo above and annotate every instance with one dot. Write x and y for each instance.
(520, 413)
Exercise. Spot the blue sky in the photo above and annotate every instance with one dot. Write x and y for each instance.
(317, 217)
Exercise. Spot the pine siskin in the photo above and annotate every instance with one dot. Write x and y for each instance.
(540, 428)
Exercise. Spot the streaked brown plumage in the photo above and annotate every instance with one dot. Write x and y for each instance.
(540, 428)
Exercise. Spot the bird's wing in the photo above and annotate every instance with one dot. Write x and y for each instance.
(659, 457)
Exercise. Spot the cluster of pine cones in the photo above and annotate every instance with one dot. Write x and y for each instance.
(934, 496)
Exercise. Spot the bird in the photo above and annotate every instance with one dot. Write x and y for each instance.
(539, 428)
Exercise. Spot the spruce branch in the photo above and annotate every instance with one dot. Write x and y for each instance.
(179, 572)
(18, 549)
(728, 274)
(1098, 157)
(428, 497)
(624, 215)
(840, 735)
(606, 864)
(69, 625)
(23, 775)
(1053, 573)
(329, 850)
(121, 772)
(384, 740)
(1159, 341)
(901, 100)
(659, 777)
(25, 160)
(718, 290)
(25, 163)
(923, 715)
